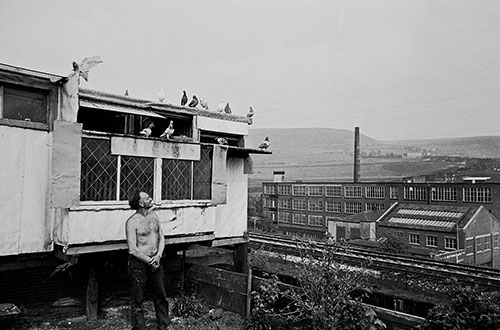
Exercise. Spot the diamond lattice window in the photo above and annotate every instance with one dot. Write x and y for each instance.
(176, 179)
(99, 171)
(202, 175)
(136, 173)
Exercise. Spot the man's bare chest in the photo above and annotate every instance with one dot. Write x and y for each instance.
(146, 226)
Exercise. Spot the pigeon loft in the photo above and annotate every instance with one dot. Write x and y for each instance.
(71, 156)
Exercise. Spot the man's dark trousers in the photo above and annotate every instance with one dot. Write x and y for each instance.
(139, 273)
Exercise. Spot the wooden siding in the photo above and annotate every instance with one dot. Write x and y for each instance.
(24, 174)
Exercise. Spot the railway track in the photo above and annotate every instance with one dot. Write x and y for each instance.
(489, 278)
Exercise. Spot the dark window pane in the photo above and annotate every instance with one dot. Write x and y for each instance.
(136, 173)
(24, 105)
(176, 179)
(98, 177)
(202, 175)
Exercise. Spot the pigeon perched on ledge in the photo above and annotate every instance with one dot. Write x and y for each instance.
(264, 145)
(221, 140)
(184, 98)
(250, 113)
(161, 95)
(227, 108)
(86, 65)
(169, 131)
(147, 131)
(194, 102)
(203, 103)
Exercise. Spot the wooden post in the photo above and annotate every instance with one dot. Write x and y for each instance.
(92, 301)
(249, 292)
(241, 258)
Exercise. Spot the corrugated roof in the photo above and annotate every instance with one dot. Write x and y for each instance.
(423, 222)
(431, 213)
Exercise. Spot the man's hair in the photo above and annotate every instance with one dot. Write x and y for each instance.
(134, 198)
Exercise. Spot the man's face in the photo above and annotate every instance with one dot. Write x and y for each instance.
(145, 201)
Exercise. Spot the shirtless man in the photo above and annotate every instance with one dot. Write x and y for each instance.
(145, 246)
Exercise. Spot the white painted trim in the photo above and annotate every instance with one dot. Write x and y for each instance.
(118, 176)
(471, 218)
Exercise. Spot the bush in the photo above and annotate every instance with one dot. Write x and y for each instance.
(328, 297)
(470, 308)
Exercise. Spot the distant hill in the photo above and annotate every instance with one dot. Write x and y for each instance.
(327, 154)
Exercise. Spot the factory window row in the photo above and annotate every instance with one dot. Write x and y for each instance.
(410, 193)
(318, 205)
(302, 219)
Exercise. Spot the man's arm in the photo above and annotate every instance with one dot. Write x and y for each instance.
(130, 228)
(161, 244)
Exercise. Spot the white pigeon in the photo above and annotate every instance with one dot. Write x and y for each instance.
(86, 65)
(264, 145)
(161, 95)
(221, 106)
(169, 131)
(203, 103)
(147, 131)
(221, 140)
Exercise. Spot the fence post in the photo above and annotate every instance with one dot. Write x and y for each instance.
(249, 291)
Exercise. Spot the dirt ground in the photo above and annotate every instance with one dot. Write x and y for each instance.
(116, 318)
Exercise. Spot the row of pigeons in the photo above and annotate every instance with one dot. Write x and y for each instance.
(170, 130)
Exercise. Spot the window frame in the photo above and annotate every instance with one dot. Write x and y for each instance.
(349, 205)
(333, 208)
(375, 192)
(312, 220)
(417, 235)
(431, 237)
(335, 189)
(448, 239)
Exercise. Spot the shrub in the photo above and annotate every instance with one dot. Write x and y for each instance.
(470, 308)
(328, 296)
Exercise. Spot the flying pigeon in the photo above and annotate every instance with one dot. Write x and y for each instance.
(184, 98)
(221, 140)
(86, 65)
(147, 131)
(203, 103)
(264, 145)
(250, 113)
(220, 107)
(126, 92)
(194, 102)
(169, 131)
(161, 95)
(227, 108)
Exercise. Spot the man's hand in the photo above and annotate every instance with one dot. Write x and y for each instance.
(154, 262)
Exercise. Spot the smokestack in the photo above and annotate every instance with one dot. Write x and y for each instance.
(356, 155)
(279, 176)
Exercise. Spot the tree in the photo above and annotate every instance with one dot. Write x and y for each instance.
(328, 296)
(395, 243)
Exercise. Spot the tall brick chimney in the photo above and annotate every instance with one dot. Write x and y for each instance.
(357, 161)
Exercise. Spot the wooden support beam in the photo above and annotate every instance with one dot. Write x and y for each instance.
(241, 258)
(92, 300)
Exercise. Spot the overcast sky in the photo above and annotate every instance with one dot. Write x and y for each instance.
(398, 69)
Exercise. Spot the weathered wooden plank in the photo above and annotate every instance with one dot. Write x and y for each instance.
(233, 282)
(213, 259)
(154, 148)
(217, 297)
(396, 319)
(66, 159)
(91, 301)
(219, 175)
